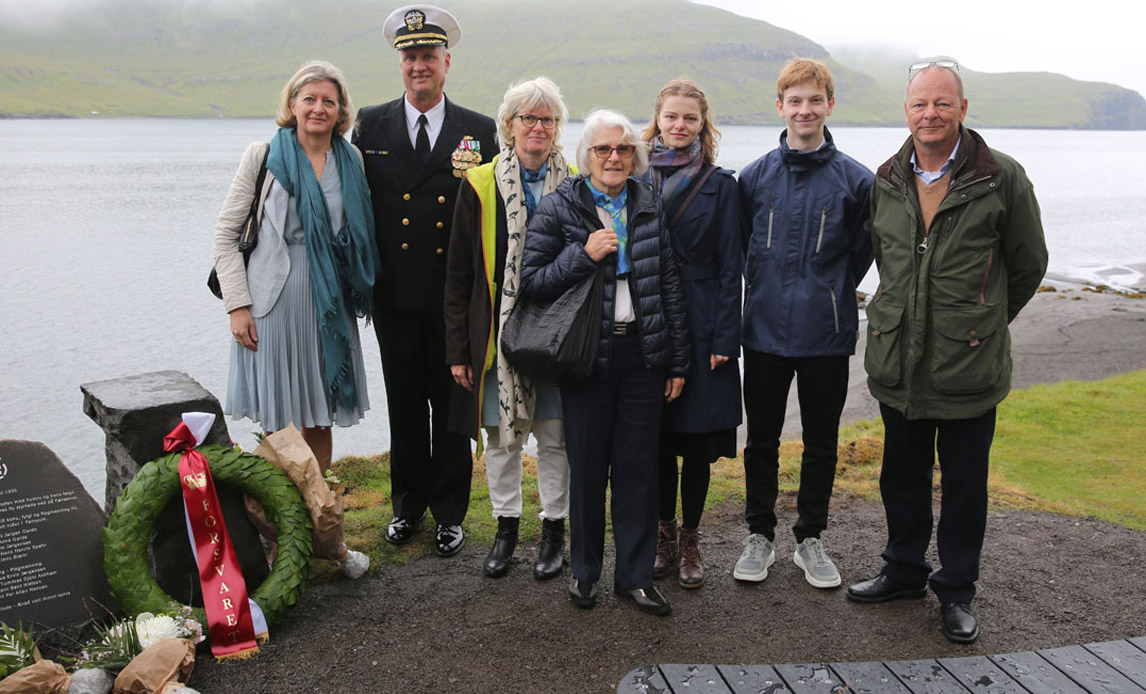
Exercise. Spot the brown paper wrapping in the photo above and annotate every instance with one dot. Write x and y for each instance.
(41, 677)
(286, 450)
(162, 667)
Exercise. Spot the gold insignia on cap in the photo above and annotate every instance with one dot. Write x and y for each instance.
(415, 20)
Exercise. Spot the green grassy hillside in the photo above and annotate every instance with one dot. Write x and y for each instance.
(1020, 99)
(138, 58)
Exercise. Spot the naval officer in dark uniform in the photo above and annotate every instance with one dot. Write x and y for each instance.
(416, 149)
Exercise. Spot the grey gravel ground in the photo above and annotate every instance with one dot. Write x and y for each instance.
(437, 625)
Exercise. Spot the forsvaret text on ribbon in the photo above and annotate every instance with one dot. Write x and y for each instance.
(229, 612)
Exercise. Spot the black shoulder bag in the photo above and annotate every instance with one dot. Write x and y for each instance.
(556, 341)
(249, 237)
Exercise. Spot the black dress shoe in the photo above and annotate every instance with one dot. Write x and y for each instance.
(583, 594)
(496, 563)
(550, 553)
(958, 622)
(449, 540)
(881, 589)
(401, 529)
(649, 600)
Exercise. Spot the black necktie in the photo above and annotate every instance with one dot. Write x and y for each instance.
(422, 148)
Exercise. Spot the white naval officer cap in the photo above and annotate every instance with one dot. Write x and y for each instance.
(422, 25)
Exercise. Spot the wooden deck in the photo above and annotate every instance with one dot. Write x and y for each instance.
(1113, 667)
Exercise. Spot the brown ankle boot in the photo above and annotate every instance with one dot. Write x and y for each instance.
(667, 548)
(691, 568)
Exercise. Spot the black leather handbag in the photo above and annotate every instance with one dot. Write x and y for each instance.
(249, 237)
(556, 341)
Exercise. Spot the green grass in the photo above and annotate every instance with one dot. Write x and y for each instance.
(368, 511)
(1077, 447)
(1072, 448)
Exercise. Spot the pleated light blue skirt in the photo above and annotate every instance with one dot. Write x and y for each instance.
(282, 382)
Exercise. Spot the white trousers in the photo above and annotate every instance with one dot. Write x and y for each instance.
(503, 471)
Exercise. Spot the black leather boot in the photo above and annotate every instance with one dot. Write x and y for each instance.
(550, 554)
(497, 561)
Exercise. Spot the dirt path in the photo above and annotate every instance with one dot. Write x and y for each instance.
(437, 625)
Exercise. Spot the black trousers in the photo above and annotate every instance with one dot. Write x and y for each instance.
(822, 387)
(612, 425)
(909, 448)
(430, 466)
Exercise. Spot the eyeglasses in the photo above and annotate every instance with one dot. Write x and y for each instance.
(529, 120)
(606, 151)
(919, 67)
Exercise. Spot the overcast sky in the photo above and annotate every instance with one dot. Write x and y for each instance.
(1099, 40)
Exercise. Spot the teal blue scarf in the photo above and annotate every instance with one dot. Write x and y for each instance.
(528, 177)
(615, 206)
(343, 263)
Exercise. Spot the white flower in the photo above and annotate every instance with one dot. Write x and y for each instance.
(193, 630)
(150, 629)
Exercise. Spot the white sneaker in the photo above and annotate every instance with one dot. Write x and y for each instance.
(818, 568)
(758, 555)
(355, 565)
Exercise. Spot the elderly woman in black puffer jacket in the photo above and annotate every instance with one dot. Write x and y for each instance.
(612, 419)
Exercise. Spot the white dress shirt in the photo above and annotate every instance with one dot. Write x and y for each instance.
(434, 119)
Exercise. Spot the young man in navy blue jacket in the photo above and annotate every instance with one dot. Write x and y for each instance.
(805, 204)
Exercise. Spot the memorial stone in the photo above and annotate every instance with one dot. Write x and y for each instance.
(136, 413)
(51, 548)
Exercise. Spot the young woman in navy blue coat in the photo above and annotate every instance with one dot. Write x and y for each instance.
(701, 204)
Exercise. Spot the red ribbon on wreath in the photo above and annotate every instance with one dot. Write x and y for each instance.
(229, 622)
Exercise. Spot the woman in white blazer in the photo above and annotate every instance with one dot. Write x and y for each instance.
(297, 356)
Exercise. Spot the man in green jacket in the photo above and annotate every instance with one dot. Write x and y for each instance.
(959, 245)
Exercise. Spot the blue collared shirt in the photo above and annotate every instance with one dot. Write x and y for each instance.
(930, 177)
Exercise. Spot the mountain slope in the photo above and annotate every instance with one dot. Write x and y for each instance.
(1019, 99)
(195, 58)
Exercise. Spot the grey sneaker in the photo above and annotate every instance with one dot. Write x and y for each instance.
(758, 555)
(818, 567)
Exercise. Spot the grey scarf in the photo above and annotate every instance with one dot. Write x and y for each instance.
(515, 393)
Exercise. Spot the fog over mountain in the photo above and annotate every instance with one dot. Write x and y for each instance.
(216, 58)
(1095, 41)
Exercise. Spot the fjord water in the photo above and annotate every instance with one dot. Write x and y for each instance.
(109, 223)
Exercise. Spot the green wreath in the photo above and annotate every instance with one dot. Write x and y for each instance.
(126, 536)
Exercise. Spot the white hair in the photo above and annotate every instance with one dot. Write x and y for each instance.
(526, 96)
(605, 119)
